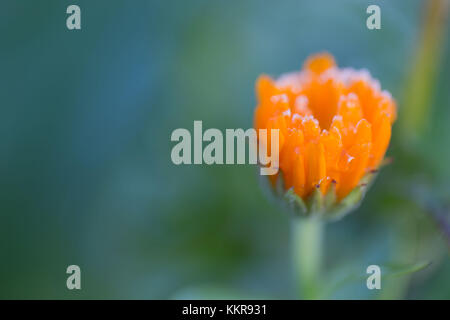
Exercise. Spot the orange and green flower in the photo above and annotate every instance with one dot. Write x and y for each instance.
(334, 129)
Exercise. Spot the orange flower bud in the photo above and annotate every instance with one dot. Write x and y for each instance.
(335, 127)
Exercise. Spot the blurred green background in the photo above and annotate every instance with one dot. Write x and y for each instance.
(85, 171)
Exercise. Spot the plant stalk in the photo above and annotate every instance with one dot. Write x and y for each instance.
(307, 239)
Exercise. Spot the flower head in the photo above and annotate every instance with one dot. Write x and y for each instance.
(334, 128)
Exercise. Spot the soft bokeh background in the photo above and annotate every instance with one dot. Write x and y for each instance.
(85, 171)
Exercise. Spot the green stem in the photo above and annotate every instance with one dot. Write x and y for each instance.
(422, 77)
(307, 245)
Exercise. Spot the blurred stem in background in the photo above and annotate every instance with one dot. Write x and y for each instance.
(414, 119)
(421, 77)
(307, 237)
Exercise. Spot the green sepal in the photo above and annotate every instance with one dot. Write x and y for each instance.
(295, 203)
(346, 205)
(324, 206)
(315, 202)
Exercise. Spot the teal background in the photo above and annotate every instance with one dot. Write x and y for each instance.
(85, 171)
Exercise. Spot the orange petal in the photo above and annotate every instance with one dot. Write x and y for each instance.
(387, 106)
(315, 165)
(310, 128)
(277, 123)
(350, 109)
(265, 88)
(366, 95)
(332, 143)
(319, 62)
(357, 158)
(380, 141)
(288, 155)
(324, 96)
(301, 106)
(299, 176)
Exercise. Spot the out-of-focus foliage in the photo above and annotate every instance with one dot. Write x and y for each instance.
(85, 171)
